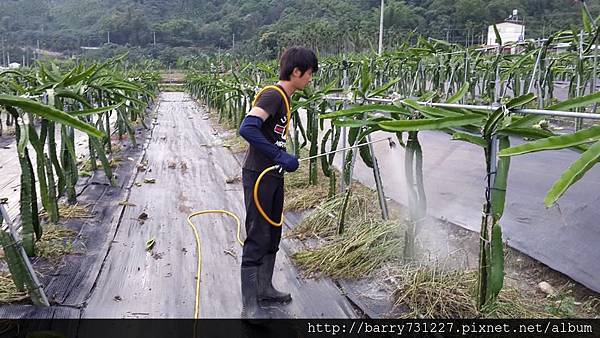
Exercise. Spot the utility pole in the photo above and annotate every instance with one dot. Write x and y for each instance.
(381, 29)
(108, 36)
(154, 38)
(233, 42)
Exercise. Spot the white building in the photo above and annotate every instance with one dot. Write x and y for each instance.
(14, 65)
(509, 32)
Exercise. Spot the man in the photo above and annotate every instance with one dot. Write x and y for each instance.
(265, 128)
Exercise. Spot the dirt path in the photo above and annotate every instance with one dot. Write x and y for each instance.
(190, 169)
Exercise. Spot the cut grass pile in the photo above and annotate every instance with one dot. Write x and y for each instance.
(67, 211)
(299, 194)
(431, 291)
(366, 243)
(357, 253)
(56, 242)
(324, 220)
(8, 290)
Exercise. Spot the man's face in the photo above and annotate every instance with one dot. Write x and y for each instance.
(302, 81)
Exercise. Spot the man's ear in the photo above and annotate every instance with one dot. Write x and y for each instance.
(297, 72)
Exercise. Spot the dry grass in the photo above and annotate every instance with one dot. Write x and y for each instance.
(116, 148)
(322, 222)
(592, 306)
(74, 211)
(56, 242)
(299, 194)
(87, 166)
(435, 292)
(70, 212)
(8, 290)
(357, 253)
(113, 162)
(366, 244)
(424, 292)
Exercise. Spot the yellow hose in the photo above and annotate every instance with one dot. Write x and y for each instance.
(199, 252)
(239, 224)
(257, 201)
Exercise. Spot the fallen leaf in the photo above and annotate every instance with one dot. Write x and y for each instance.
(232, 180)
(229, 252)
(150, 244)
(149, 180)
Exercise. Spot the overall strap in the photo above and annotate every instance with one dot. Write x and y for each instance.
(285, 100)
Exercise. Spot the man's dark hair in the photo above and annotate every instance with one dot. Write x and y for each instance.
(297, 57)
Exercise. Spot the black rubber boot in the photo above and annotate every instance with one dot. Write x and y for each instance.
(266, 291)
(250, 307)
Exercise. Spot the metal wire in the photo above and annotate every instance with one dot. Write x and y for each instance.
(546, 112)
(346, 148)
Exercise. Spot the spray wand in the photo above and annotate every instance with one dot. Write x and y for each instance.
(391, 143)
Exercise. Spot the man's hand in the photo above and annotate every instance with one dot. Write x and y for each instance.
(288, 162)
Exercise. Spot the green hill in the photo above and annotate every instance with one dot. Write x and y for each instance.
(327, 25)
